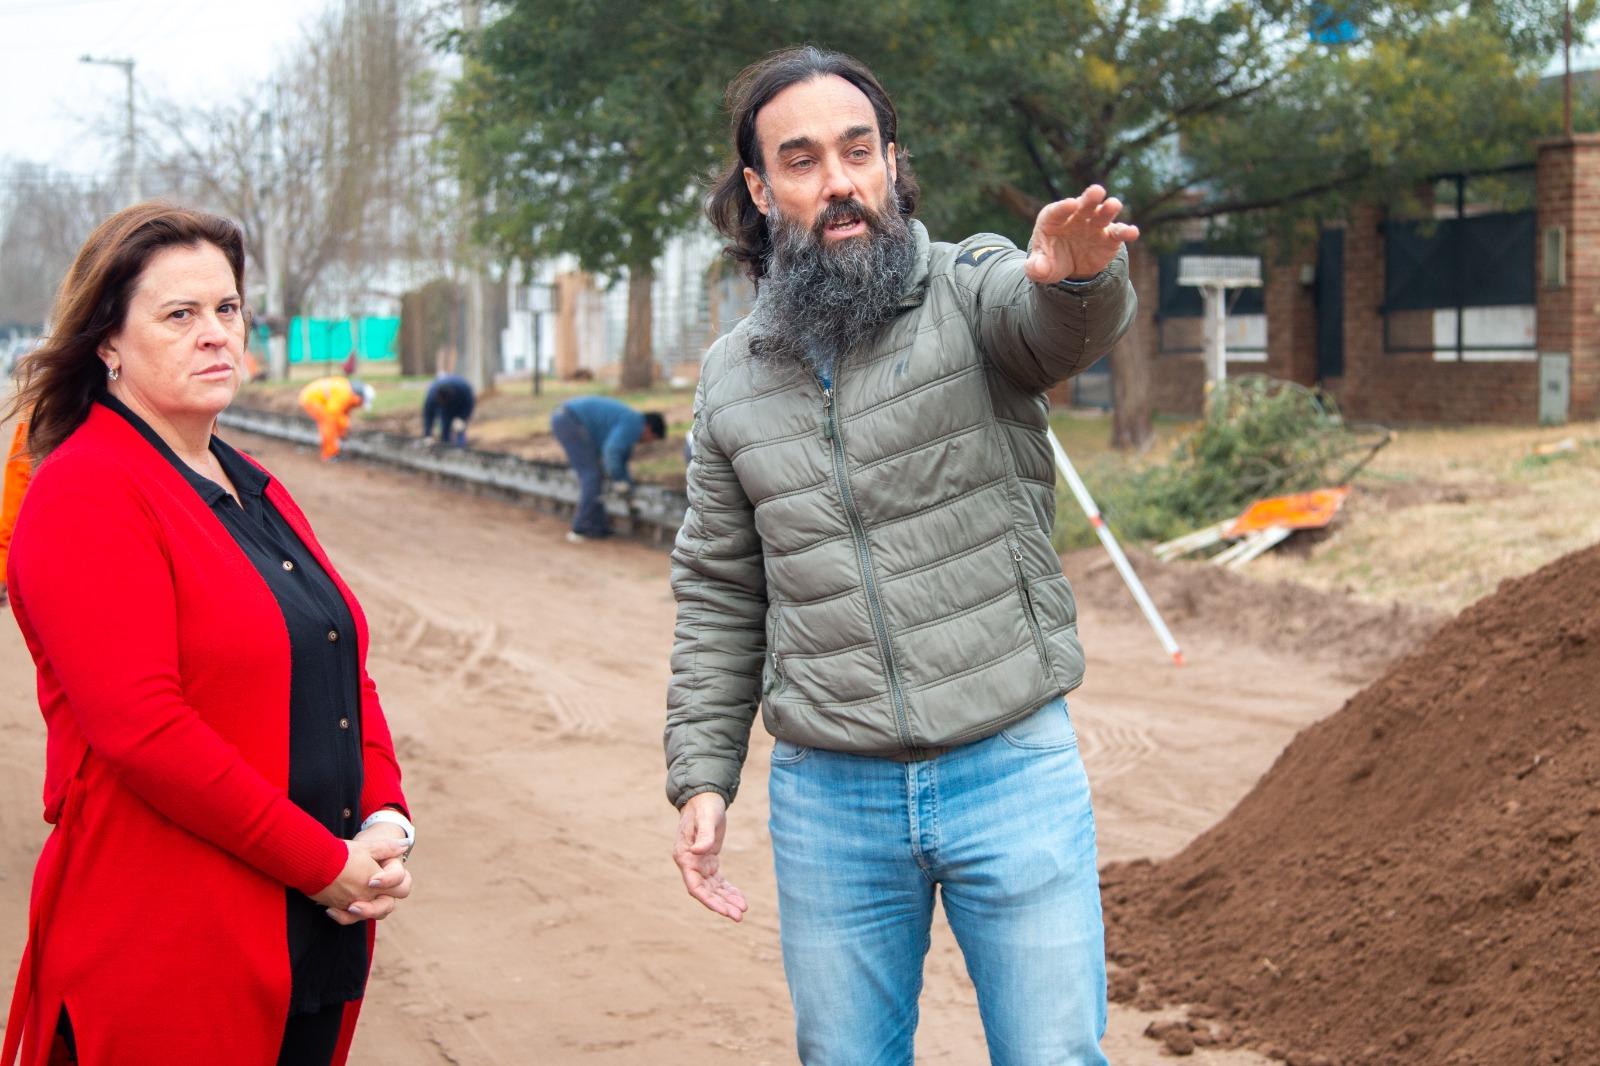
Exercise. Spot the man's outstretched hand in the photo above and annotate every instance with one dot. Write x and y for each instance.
(698, 852)
(1074, 239)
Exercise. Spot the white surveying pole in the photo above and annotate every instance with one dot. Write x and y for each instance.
(1131, 579)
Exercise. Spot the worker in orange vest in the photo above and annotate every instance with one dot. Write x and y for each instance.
(329, 402)
(19, 471)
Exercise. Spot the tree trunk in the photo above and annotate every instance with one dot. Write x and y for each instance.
(1130, 396)
(638, 362)
(275, 299)
(1131, 429)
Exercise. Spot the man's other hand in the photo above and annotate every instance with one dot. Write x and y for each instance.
(698, 853)
(1074, 239)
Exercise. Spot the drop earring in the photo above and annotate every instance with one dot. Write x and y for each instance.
(113, 373)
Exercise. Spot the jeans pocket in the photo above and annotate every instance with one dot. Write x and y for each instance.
(787, 753)
(1047, 729)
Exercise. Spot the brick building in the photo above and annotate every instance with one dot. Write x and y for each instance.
(1475, 315)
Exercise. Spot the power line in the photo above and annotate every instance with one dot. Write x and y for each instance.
(23, 6)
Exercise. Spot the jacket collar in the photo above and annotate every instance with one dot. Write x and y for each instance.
(917, 285)
(246, 478)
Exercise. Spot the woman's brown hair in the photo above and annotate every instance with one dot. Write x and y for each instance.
(61, 379)
(728, 204)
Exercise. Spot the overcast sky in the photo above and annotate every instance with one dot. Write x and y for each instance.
(55, 109)
(198, 51)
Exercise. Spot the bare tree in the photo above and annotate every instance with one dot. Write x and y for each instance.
(45, 215)
(330, 166)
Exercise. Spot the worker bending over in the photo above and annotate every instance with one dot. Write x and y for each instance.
(449, 401)
(598, 435)
(329, 402)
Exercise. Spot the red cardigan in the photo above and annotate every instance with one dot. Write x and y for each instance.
(157, 912)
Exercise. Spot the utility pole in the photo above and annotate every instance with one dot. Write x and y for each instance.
(130, 158)
(272, 249)
(479, 349)
(1566, 71)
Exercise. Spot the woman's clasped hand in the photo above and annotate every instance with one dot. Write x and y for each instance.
(374, 878)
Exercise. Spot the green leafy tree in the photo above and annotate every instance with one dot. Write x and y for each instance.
(585, 128)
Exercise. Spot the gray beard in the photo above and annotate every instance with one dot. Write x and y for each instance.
(819, 302)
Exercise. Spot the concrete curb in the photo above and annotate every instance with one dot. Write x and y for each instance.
(653, 513)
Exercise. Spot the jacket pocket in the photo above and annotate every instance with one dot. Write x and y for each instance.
(1025, 594)
(772, 679)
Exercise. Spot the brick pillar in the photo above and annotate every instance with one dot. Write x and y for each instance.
(1291, 313)
(569, 286)
(1569, 317)
(1363, 296)
(1177, 382)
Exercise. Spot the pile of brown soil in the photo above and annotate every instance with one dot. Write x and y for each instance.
(1417, 878)
(1277, 615)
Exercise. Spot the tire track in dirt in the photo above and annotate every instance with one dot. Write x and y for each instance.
(482, 661)
(427, 1016)
(1111, 745)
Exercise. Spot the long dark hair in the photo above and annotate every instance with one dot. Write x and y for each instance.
(728, 205)
(62, 377)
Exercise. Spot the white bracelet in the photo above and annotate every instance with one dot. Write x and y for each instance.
(393, 817)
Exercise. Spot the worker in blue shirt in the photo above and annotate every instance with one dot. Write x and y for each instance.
(449, 400)
(598, 435)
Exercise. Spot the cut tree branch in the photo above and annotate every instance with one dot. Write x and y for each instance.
(1258, 203)
(1033, 150)
(1015, 200)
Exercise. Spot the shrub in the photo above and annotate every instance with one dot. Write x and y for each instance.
(1259, 438)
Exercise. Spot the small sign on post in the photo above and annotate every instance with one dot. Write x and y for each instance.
(540, 299)
(1214, 275)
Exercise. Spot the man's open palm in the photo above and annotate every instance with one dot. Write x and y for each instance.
(1074, 239)
(698, 853)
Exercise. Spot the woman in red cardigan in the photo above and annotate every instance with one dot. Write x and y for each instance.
(228, 820)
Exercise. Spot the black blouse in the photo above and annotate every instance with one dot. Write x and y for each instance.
(328, 961)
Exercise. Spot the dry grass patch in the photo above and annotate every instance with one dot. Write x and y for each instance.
(1444, 515)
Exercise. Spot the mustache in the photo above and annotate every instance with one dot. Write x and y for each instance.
(846, 210)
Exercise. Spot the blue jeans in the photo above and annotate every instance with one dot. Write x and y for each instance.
(1004, 828)
(590, 518)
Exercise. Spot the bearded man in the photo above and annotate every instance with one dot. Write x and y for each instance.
(867, 556)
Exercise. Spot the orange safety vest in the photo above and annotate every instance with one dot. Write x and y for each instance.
(19, 471)
(329, 402)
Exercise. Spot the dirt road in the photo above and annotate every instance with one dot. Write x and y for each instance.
(524, 677)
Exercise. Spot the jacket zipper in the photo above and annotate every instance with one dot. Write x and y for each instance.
(777, 675)
(776, 680)
(1027, 605)
(858, 532)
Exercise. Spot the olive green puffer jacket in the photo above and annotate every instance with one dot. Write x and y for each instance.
(872, 562)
